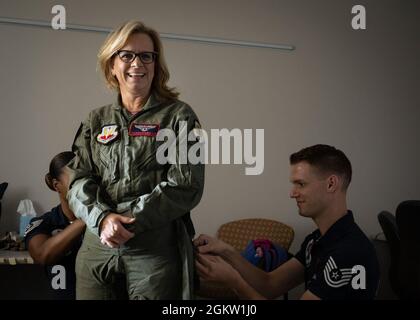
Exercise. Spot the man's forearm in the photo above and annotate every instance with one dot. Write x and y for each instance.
(245, 291)
(252, 276)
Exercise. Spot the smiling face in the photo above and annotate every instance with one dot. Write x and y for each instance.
(135, 78)
(310, 189)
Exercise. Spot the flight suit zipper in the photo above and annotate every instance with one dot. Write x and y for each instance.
(125, 162)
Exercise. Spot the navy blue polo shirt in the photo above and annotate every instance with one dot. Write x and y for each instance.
(341, 264)
(50, 224)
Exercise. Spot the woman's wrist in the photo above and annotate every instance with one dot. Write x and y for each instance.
(71, 220)
(76, 221)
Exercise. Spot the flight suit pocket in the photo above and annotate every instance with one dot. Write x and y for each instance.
(108, 158)
(145, 156)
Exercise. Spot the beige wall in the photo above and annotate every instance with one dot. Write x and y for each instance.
(357, 90)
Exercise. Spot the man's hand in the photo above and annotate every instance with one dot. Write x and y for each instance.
(207, 244)
(112, 232)
(214, 268)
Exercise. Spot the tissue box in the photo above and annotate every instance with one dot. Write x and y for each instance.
(24, 221)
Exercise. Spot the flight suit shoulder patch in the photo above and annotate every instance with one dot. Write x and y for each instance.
(108, 133)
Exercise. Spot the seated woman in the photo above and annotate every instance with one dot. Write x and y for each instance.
(55, 237)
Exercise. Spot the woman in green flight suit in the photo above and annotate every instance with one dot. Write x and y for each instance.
(137, 210)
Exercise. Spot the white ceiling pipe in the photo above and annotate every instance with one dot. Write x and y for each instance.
(172, 36)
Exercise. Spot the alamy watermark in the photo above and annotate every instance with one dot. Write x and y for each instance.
(358, 282)
(358, 22)
(58, 282)
(59, 20)
(193, 147)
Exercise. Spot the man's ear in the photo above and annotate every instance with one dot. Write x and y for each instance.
(333, 183)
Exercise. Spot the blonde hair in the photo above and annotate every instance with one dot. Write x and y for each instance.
(118, 39)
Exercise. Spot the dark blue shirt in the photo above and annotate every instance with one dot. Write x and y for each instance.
(342, 264)
(50, 224)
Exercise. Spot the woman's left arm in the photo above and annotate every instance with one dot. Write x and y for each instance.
(180, 192)
(48, 250)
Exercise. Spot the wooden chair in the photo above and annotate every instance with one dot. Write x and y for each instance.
(238, 233)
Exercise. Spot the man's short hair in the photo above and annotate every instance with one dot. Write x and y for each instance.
(326, 159)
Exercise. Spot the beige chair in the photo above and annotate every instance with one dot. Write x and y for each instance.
(238, 233)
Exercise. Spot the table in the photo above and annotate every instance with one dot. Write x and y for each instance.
(15, 257)
(21, 278)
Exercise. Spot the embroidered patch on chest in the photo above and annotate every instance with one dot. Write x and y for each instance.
(143, 130)
(108, 134)
(308, 253)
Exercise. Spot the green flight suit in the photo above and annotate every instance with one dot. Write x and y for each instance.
(116, 170)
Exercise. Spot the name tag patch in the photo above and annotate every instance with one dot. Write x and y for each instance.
(108, 134)
(143, 130)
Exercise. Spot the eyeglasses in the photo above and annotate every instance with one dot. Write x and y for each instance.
(146, 57)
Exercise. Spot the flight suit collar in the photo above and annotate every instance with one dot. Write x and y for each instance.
(151, 102)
